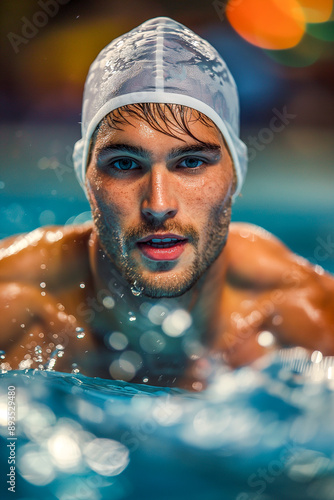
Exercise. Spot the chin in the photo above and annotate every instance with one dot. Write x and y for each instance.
(163, 286)
(164, 293)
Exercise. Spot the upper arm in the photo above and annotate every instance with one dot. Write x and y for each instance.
(295, 298)
(51, 253)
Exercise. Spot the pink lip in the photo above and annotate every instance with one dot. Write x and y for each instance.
(168, 253)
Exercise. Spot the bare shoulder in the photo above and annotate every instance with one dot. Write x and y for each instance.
(246, 235)
(55, 250)
(259, 257)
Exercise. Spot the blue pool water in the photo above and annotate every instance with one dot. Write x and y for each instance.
(254, 434)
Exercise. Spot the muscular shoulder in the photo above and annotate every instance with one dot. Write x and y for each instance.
(257, 257)
(54, 250)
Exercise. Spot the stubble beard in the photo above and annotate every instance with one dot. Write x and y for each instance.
(164, 283)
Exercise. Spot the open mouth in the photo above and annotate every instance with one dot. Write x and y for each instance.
(163, 243)
(162, 248)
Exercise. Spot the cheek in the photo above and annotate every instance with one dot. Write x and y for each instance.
(210, 194)
(109, 201)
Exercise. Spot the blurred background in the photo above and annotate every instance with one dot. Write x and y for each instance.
(280, 53)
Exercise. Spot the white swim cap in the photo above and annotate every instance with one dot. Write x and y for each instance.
(161, 61)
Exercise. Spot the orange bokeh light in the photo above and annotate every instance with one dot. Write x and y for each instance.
(270, 24)
(317, 11)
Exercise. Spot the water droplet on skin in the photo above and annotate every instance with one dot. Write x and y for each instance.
(82, 285)
(80, 332)
(2, 354)
(43, 266)
(132, 317)
(137, 290)
(42, 285)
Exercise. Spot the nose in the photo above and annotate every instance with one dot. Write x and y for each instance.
(159, 202)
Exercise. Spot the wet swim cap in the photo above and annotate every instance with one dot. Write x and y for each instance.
(161, 61)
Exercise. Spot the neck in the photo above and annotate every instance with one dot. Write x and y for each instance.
(202, 301)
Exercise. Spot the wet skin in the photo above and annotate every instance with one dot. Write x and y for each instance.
(235, 281)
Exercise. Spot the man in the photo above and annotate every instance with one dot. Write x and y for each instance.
(159, 286)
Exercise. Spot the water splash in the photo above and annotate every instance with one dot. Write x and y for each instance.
(38, 354)
(2, 354)
(80, 332)
(132, 317)
(57, 353)
(75, 368)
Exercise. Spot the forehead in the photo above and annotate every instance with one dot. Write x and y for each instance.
(189, 127)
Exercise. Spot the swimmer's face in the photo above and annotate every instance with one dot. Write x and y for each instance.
(143, 186)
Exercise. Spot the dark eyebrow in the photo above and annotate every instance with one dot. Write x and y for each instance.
(205, 147)
(175, 152)
(122, 148)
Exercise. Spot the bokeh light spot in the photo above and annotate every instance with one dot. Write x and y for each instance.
(317, 11)
(322, 31)
(106, 456)
(306, 53)
(176, 323)
(118, 341)
(152, 342)
(64, 450)
(273, 24)
(35, 465)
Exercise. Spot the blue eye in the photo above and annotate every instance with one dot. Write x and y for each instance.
(191, 163)
(124, 164)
